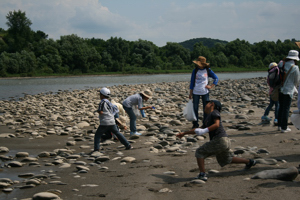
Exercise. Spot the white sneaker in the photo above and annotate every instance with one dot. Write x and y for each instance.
(279, 128)
(286, 130)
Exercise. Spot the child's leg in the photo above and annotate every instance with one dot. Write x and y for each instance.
(238, 160)
(99, 133)
(119, 135)
(200, 162)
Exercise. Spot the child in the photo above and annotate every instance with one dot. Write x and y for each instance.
(136, 100)
(219, 143)
(107, 121)
(265, 116)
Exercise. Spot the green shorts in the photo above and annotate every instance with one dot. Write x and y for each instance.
(219, 147)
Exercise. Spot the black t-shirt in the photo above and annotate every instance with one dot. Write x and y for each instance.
(210, 120)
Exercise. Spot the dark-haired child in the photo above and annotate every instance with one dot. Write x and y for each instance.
(219, 144)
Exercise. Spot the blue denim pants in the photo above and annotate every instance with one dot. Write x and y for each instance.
(102, 130)
(285, 101)
(196, 101)
(276, 103)
(132, 118)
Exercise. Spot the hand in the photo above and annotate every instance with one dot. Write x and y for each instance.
(180, 135)
(208, 86)
(296, 112)
(190, 96)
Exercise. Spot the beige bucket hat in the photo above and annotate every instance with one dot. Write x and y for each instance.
(201, 61)
(147, 93)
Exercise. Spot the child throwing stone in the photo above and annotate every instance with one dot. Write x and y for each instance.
(107, 121)
(219, 144)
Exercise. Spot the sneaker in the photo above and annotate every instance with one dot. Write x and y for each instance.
(250, 164)
(265, 118)
(279, 128)
(275, 121)
(202, 176)
(135, 133)
(286, 130)
(129, 147)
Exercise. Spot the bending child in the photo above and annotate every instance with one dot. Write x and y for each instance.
(136, 100)
(219, 143)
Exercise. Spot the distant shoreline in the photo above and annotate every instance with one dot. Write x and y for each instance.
(92, 75)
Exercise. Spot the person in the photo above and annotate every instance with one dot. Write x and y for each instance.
(291, 80)
(219, 143)
(199, 86)
(107, 121)
(276, 103)
(133, 101)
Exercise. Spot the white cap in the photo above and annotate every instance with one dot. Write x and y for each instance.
(105, 92)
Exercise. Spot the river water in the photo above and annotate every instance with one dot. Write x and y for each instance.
(17, 87)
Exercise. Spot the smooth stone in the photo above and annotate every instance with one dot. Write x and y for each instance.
(29, 159)
(22, 154)
(44, 154)
(128, 159)
(172, 149)
(170, 173)
(102, 158)
(80, 167)
(266, 161)
(15, 164)
(164, 190)
(288, 174)
(4, 185)
(7, 189)
(197, 181)
(65, 165)
(4, 150)
(71, 143)
(45, 196)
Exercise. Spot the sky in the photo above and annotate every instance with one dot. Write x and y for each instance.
(161, 21)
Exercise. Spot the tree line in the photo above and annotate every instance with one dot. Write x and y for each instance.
(25, 52)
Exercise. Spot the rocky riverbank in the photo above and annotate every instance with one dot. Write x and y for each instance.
(45, 141)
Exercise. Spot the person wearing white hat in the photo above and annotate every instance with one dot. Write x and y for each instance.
(136, 100)
(108, 125)
(291, 80)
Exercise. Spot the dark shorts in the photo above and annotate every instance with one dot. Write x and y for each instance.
(220, 147)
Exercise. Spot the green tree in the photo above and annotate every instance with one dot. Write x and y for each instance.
(19, 31)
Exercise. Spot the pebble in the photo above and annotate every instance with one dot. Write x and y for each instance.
(45, 196)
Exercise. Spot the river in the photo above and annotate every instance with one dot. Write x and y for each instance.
(13, 88)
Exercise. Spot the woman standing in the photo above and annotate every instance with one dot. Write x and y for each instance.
(291, 80)
(199, 86)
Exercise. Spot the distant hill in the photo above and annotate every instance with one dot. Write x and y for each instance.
(189, 44)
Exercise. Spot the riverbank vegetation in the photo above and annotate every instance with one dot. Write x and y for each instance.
(24, 52)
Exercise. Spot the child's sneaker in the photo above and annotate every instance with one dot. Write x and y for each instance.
(250, 164)
(135, 133)
(202, 176)
(129, 147)
(265, 118)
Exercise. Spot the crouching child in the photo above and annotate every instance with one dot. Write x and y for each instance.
(219, 144)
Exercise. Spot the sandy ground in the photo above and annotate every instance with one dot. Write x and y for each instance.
(146, 177)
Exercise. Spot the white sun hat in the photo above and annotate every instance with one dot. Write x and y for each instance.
(293, 54)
